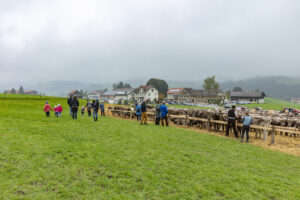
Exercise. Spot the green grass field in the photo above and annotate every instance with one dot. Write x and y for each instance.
(274, 104)
(59, 158)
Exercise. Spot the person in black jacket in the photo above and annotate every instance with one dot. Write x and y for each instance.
(144, 112)
(231, 121)
(95, 109)
(70, 99)
(75, 105)
(89, 107)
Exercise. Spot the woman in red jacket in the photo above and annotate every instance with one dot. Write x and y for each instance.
(47, 109)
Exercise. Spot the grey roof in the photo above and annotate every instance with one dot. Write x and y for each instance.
(202, 93)
(124, 91)
(110, 93)
(254, 94)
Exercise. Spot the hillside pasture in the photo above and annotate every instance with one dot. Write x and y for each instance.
(61, 158)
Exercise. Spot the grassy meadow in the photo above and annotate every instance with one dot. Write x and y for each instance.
(274, 104)
(61, 158)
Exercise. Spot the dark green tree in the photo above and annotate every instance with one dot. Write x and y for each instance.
(160, 85)
(210, 83)
(121, 85)
(228, 94)
(21, 90)
(13, 91)
(237, 89)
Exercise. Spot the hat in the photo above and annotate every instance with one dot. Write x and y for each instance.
(233, 106)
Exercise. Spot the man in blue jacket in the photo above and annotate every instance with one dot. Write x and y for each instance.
(102, 108)
(144, 112)
(138, 112)
(164, 114)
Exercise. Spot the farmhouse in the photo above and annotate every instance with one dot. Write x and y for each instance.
(200, 96)
(31, 92)
(248, 96)
(125, 94)
(97, 93)
(146, 92)
(109, 94)
(190, 95)
(75, 93)
(173, 93)
(295, 100)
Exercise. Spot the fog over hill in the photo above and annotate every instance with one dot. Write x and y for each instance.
(281, 87)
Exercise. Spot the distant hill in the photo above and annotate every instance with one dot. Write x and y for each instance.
(279, 87)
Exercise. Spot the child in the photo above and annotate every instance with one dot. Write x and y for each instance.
(60, 109)
(56, 111)
(47, 109)
(82, 110)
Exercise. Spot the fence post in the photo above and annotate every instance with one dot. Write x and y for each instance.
(273, 135)
(208, 122)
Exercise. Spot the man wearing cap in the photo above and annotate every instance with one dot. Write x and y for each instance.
(231, 121)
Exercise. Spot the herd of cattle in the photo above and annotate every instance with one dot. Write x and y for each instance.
(199, 118)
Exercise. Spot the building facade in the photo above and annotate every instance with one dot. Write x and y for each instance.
(149, 93)
(248, 96)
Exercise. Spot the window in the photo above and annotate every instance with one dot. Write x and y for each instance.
(152, 90)
(148, 94)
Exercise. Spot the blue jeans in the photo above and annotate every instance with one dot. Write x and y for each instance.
(95, 114)
(245, 130)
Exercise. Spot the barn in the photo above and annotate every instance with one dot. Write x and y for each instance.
(248, 96)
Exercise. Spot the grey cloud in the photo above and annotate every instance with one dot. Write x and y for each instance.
(100, 41)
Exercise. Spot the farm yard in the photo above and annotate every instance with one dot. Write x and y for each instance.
(58, 158)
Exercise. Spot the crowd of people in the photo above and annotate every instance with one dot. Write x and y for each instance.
(161, 113)
(73, 108)
(57, 109)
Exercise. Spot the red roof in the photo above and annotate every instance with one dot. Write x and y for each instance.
(175, 90)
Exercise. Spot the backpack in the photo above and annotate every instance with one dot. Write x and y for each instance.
(138, 110)
(74, 104)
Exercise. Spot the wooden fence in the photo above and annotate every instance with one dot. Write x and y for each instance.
(214, 125)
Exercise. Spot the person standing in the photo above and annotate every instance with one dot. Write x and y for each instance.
(138, 112)
(247, 121)
(95, 109)
(164, 114)
(75, 105)
(144, 112)
(47, 109)
(82, 110)
(102, 108)
(231, 122)
(157, 113)
(70, 99)
(89, 107)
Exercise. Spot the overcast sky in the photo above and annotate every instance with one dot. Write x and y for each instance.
(98, 41)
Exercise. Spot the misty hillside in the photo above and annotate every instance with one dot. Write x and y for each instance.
(280, 87)
(274, 86)
(62, 88)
